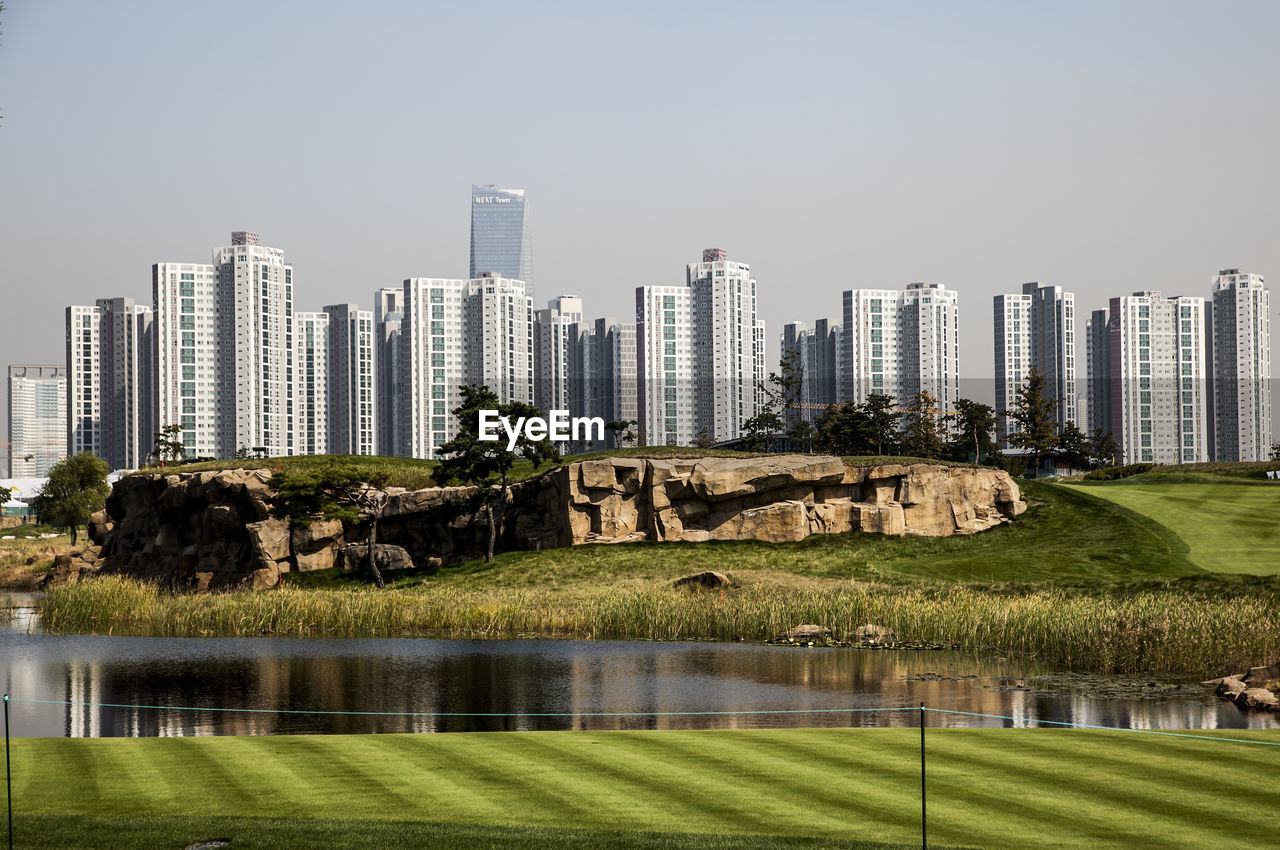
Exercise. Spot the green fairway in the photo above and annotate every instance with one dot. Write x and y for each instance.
(754, 789)
(1229, 527)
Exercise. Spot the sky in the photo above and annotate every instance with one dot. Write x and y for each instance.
(1104, 147)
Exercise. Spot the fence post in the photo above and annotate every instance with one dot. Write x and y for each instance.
(924, 820)
(8, 771)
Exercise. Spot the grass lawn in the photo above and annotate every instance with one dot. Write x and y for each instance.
(749, 789)
(1228, 525)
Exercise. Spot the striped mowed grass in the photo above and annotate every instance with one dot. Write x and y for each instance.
(718, 789)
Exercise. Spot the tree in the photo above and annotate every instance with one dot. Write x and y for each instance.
(484, 463)
(974, 423)
(1073, 447)
(858, 429)
(703, 439)
(1103, 448)
(1036, 417)
(623, 431)
(842, 429)
(77, 487)
(882, 421)
(1275, 451)
(921, 428)
(168, 444)
(334, 491)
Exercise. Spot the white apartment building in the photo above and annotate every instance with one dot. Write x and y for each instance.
(665, 366)
(1157, 378)
(557, 378)
(126, 397)
(1035, 328)
(700, 354)
(83, 384)
(37, 419)
(1241, 344)
(109, 358)
(901, 343)
(224, 339)
(388, 315)
(311, 365)
(728, 345)
(458, 332)
(352, 396)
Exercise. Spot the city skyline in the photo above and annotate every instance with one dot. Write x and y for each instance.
(1099, 166)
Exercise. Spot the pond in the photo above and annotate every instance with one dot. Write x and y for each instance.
(96, 685)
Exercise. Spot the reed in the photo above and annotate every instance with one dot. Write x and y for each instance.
(1162, 629)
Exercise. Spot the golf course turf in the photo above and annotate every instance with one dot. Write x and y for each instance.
(752, 789)
(1230, 526)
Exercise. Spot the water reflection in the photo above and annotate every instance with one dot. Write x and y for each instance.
(417, 685)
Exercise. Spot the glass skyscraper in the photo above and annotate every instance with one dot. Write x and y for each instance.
(500, 241)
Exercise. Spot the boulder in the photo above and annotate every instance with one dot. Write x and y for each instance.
(871, 633)
(1262, 676)
(1257, 699)
(317, 534)
(709, 579)
(785, 522)
(71, 567)
(100, 526)
(1229, 687)
(389, 556)
(270, 538)
(717, 479)
(881, 519)
(807, 631)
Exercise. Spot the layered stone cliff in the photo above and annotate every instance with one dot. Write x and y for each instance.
(209, 531)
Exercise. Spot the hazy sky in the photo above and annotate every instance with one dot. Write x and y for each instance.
(1106, 147)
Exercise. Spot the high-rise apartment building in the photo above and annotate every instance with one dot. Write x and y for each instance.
(1156, 379)
(83, 380)
(1035, 328)
(817, 352)
(606, 364)
(700, 354)
(459, 332)
(388, 315)
(901, 343)
(311, 373)
(665, 365)
(728, 345)
(500, 239)
(37, 419)
(110, 381)
(352, 404)
(1098, 365)
(126, 395)
(1241, 344)
(224, 340)
(557, 355)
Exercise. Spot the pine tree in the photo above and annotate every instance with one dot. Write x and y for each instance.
(1036, 417)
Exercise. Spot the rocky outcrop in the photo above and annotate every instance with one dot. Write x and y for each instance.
(1252, 691)
(71, 567)
(779, 499)
(214, 530)
(195, 531)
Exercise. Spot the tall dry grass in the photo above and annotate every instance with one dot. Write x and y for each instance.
(1162, 630)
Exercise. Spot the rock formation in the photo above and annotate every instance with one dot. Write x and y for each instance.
(1255, 690)
(214, 530)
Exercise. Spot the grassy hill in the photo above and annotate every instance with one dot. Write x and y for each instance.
(1228, 521)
